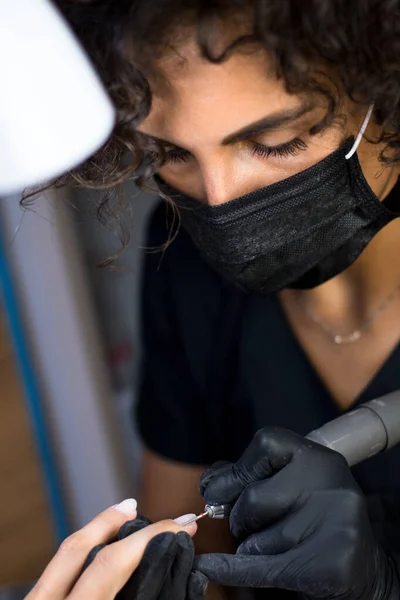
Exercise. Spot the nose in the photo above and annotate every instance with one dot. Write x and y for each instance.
(220, 183)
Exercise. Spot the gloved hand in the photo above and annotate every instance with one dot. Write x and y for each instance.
(166, 570)
(302, 522)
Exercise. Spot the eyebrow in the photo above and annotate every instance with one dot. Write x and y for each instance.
(269, 123)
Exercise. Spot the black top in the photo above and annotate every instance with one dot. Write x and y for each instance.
(219, 364)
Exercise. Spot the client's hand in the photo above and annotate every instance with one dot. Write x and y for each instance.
(302, 522)
(77, 573)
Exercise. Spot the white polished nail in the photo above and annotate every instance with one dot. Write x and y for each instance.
(184, 519)
(128, 507)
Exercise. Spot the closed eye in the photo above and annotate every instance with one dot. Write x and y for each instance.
(286, 150)
(175, 156)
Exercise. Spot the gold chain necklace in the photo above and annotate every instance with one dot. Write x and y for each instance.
(355, 335)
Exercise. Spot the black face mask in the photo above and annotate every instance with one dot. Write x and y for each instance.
(296, 233)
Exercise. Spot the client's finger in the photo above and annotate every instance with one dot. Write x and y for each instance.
(114, 564)
(63, 570)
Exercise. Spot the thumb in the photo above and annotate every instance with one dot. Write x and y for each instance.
(247, 571)
(270, 451)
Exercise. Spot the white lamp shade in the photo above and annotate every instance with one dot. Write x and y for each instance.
(54, 111)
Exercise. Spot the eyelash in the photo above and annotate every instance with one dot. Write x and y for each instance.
(292, 148)
(286, 150)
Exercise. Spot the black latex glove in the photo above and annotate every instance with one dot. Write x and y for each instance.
(302, 522)
(166, 569)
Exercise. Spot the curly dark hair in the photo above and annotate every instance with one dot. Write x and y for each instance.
(357, 40)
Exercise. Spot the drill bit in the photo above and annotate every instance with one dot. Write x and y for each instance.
(196, 518)
(218, 511)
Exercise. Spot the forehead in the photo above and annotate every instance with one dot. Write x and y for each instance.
(195, 93)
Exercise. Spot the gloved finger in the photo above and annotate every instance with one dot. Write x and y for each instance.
(322, 474)
(253, 571)
(150, 576)
(175, 585)
(216, 468)
(271, 450)
(197, 586)
(307, 524)
(132, 526)
(265, 502)
(275, 540)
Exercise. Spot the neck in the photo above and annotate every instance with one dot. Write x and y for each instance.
(348, 299)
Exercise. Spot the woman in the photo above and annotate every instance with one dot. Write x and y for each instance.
(111, 555)
(273, 128)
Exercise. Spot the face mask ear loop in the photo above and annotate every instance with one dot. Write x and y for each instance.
(361, 133)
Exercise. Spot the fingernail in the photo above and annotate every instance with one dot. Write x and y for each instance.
(128, 507)
(184, 519)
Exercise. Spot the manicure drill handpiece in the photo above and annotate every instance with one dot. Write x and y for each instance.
(220, 511)
(367, 430)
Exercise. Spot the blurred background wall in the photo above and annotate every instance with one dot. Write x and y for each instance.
(69, 355)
